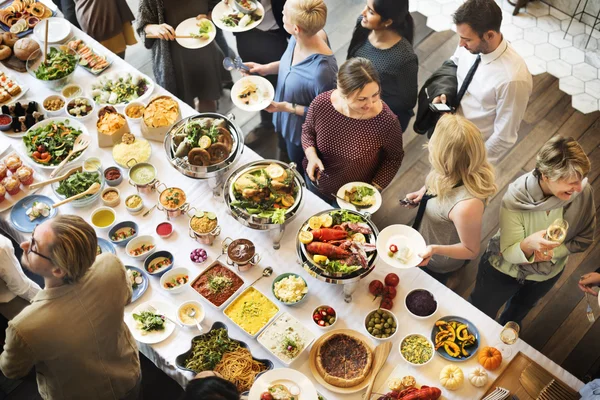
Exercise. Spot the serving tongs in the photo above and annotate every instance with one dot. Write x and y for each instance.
(57, 179)
(81, 143)
(93, 189)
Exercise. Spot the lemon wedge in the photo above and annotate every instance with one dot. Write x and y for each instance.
(305, 237)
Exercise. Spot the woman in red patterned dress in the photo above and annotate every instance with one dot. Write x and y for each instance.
(350, 135)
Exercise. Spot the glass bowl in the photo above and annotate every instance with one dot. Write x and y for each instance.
(35, 60)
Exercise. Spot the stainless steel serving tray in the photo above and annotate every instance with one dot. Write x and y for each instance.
(251, 220)
(212, 171)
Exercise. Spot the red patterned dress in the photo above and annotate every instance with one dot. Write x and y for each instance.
(352, 150)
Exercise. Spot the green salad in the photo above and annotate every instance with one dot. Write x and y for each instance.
(77, 183)
(205, 28)
(119, 89)
(342, 216)
(339, 267)
(51, 143)
(148, 321)
(58, 65)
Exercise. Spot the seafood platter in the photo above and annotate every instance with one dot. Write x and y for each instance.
(265, 195)
(205, 146)
(338, 247)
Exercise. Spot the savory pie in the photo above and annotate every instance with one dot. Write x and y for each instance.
(344, 361)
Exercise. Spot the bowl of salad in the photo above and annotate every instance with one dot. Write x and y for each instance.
(54, 71)
(49, 141)
(77, 183)
(119, 88)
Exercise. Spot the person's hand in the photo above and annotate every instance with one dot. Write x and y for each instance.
(541, 256)
(162, 31)
(537, 242)
(415, 198)
(426, 256)
(315, 165)
(439, 99)
(587, 281)
(278, 106)
(255, 68)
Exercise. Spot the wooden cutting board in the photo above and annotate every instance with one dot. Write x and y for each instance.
(525, 378)
(14, 63)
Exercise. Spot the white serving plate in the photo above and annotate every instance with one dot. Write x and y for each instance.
(285, 320)
(222, 9)
(189, 26)
(349, 206)
(152, 337)
(285, 376)
(401, 234)
(265, 96)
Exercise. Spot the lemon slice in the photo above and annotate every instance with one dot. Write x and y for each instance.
(315, 223)
(205, 142)
(16, 28)
(359, 237)
(275, 171)
(305, 237)
(326, 220)
(288, 200)
(319, 259)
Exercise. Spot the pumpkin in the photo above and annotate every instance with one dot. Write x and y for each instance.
(490, 358)
(451, 377)
(478, 377)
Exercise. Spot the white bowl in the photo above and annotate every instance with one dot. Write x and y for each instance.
(373, 336)
(199, 316)
(54, 113)
(167, 276)
(91, 103)
(428, 341)
(137, 242)
(103, 228)
(69, 86)
(418, 316)
(111, 203)
(133, 103)
(337, 316)
(134, 210)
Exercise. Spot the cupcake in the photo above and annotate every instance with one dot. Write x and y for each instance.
(2, 193)
(13, 162)
(3, 170)
(12, 185)
(25, 175)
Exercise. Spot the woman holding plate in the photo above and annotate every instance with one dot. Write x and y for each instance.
(186, 73)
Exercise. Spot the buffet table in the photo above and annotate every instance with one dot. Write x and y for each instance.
(350, 315)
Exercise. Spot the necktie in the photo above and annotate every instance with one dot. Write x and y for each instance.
(467, 81)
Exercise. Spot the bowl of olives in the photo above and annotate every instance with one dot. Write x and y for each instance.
(381, 324)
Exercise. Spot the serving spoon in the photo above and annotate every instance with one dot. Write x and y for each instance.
(81, 143)
(230, 64)
(192, 314)
(57, 179)
(358, 208)
(266, 272)
(91, 190)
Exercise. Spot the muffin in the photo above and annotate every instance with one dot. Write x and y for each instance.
(13, 162)
(12, 185)
(3, 171)
(25, 175)
(2, 193)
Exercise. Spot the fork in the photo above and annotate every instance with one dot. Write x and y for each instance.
(151, 308)
(81, 143)
(589, 312)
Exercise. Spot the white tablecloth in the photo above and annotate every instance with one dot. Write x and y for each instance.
(284, 260)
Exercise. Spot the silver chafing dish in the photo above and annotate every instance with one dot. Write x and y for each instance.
(216, 173)
(350, 280)
(253, 221)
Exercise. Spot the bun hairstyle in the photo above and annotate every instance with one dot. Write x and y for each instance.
(355, 74)
(394, 10)
(561, 158)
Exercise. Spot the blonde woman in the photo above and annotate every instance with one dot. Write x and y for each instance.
(521, 263)
(458, 186)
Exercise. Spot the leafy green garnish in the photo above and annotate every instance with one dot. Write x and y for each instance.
(204, 30)
(149, 321)
(336, 266)
(77, 183)
(58, 65)
(342, 216)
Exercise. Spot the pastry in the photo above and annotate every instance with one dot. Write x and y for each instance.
(344, 361)
(12, 185)
(25, 175)
(13, 162)
(2, 193)
(3, 171)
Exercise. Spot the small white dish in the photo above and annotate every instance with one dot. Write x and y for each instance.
(54, 113)
(428, 341)
(388, 312)
(172, 274)
(107, 227)
(137, 242)
(198, 317)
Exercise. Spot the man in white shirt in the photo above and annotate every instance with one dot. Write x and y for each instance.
(496, 98)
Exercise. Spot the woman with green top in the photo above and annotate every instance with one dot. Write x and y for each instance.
(525, 258)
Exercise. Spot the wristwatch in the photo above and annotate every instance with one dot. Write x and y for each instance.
(294, 108)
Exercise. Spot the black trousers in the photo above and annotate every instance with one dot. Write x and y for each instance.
(262, 47)
(494, 288)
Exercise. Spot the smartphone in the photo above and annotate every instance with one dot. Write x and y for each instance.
(439, 107)
(406, 202)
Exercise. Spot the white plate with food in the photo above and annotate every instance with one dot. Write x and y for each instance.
(400, 245)
(148, 322)
(10, 89)
(360, 196)
(202, 30)
(227, 17)
(252, 93)
(58, 30)
(283, 383)
(121, 88)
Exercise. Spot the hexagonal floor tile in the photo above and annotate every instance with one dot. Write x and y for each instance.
(538, 9)
(593, 58)
(548, 23)
(559, 39)
(450, 8)
(507, 17)
(585, 103)
(585, 72)
(535, 65)
(593, 88)
(581, 42)
(523, 47)
(524, 20)
(506, 6)
(571, 85)
(595, 32)
(535, 35)
(429, 8)
(558, 68)
(576, 27)
(546, 52)
(572, 55)
(512, 32)
(439, 23)
(558, 14)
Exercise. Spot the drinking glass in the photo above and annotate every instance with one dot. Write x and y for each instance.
(557, 232)
(508, 336)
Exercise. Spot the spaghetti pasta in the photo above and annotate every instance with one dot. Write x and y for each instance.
(240, 368)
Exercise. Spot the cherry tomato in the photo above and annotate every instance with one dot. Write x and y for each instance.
(317, 317)
(387, 303)
(36, 154)
(321, 323)
(45, 155)
(376, 287)
(393, 248)
(389, 292)
(330, 311)
(266, 396)
(41, 148)
(392, 280)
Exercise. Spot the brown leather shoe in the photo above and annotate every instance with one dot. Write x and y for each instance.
(261, 131)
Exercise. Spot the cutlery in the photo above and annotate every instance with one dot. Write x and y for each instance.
(266, 272)
(192, 314)
(498, 394)
(149, 211)
(81, 143)
(58, 178)
(380, 355)
(589, 312)
(230, 64)
(357, 208)
(176, 37)
(91, 190)
(151, 308)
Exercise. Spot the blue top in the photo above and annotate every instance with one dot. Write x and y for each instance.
(300, 84)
